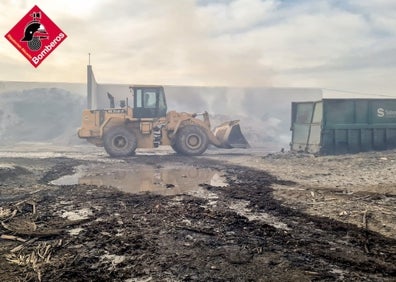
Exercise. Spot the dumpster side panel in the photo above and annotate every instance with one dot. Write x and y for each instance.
(339, 126)
(358, 125)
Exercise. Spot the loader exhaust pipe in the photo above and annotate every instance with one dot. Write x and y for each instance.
(92, 86)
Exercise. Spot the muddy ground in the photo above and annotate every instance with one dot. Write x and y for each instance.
(281, 217)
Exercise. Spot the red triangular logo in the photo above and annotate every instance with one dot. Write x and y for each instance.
(36, 36)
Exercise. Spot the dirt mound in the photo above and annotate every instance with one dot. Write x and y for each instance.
(40, 115)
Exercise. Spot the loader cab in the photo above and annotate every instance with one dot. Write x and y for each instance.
(148, 101)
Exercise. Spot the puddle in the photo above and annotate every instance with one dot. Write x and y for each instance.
(164, 181)
(70, 179)
(136, 179)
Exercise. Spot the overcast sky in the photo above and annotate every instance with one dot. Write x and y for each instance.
(338, 44)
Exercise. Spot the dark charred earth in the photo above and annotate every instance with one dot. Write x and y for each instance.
(240, 232)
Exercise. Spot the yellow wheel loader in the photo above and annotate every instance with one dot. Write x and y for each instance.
(147, 124)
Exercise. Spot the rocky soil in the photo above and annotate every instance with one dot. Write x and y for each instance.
(282, 217)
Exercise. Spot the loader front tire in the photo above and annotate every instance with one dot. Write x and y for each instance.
(191, 140)
(120, 142)
(174, 147)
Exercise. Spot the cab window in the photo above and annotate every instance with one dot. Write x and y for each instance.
(149, 102)
(150, 99)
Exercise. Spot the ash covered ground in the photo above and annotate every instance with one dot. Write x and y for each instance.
(280, 217)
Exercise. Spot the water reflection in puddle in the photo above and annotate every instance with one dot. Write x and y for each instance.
(144, 178)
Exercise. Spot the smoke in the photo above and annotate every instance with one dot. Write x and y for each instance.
(186, 99)
(264, 113)
(53, 114)
(40, 115)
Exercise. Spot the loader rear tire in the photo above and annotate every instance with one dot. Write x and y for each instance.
(191, 140)
(120, 142)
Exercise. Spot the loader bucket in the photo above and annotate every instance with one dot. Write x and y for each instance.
(230, 136)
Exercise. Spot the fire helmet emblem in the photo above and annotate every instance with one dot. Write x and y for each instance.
(35, 32)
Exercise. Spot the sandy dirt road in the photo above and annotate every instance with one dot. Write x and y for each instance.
(224, 216)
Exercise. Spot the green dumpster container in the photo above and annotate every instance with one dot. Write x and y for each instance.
(337, 126)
